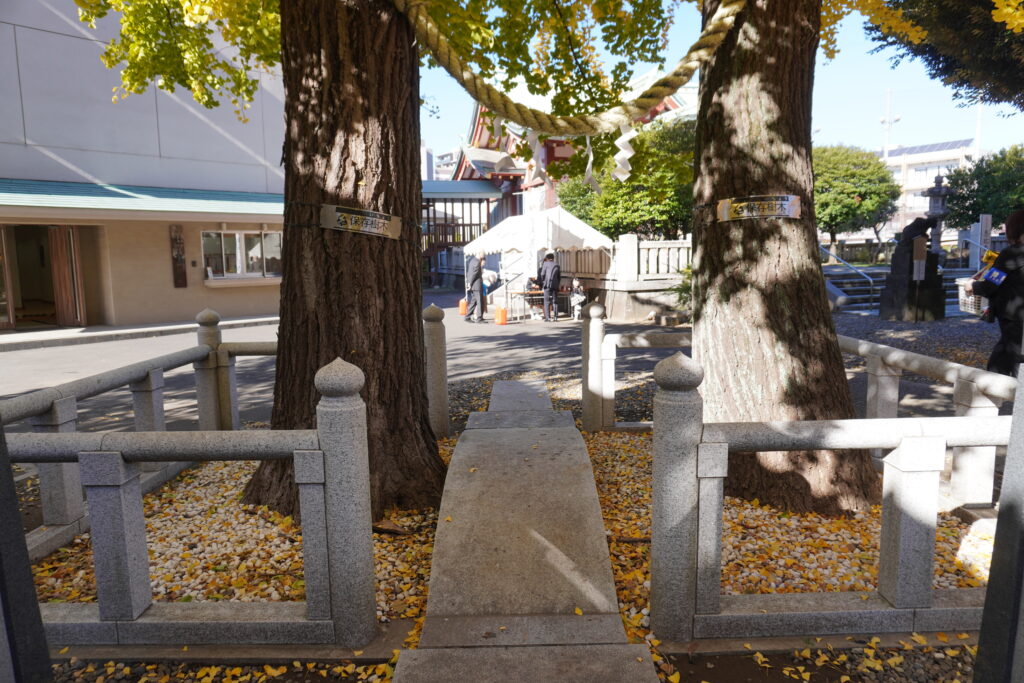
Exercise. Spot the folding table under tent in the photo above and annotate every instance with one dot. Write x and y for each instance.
(522, 242)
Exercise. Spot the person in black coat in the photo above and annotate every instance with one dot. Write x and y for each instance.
(1003, 286)
(549, 277)
(475, 288)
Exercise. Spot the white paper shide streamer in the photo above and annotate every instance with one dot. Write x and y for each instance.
(538, 170)
(589, 178)
(622, 168)
(496, 127)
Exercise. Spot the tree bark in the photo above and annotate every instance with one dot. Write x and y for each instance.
(351, 77)
(763, 330)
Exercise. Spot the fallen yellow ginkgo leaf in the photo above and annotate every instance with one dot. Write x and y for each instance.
(578, 611)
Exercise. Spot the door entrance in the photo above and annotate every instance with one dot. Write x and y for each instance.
(43, 276)
(6, 303)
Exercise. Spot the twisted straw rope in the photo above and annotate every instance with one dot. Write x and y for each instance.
(500, 104)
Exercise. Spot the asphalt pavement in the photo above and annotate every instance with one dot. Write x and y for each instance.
(474, 350)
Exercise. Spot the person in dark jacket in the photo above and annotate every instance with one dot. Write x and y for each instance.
(475, 288)
(1003, 286)
(549, 277)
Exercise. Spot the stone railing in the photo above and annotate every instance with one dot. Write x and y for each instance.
(662, 260)
(976, 393)
(55, 410)
(599, 353)
(690, 463)
(332, 473)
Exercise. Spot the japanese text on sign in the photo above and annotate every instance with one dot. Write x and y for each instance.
(764, 206)
(359, 220)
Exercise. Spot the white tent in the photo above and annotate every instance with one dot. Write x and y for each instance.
(522, 242)
(532, 234)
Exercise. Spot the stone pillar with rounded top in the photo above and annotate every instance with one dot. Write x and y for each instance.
(341, 428)
(435, 355)
(207, 394)
(678, 425)
(593, 337)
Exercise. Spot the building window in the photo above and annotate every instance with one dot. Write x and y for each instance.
(242, 254)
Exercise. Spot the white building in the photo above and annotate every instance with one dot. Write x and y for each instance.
(914, 170)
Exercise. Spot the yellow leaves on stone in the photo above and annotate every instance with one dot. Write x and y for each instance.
(578, 612)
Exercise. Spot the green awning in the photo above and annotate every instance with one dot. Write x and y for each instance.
(52, 200)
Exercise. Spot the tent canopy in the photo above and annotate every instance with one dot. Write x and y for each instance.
(549, 230)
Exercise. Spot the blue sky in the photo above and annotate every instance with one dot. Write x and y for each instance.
(849, 99)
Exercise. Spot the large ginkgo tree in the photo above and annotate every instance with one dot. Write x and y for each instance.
(350, 67)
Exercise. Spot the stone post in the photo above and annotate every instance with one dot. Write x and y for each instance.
(883, 399)
(1001, 644)
(207, 395)
(227, 392)
(627, 258)
(148, 406)
(60, 487)
(712, 468)
(23, 652)
(593, 337)
(341, 426)
(974, 468)
(309, 476)
(608, 352)
(114, 492)
(910, 505)
(678, 423)
(434, 354)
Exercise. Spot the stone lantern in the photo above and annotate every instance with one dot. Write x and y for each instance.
(937, 209)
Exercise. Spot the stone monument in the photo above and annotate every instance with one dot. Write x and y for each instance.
(914, 290)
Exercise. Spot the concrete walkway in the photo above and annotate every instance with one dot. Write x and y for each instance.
(521, 587)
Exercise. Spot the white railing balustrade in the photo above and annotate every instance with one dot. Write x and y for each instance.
(332, 473)
(663, 259)
(690, 463)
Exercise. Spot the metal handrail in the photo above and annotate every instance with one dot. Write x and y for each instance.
(858, 271)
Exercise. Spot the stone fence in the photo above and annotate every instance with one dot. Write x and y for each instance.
(55, 410)
(332, 473)
(116, 468)
(690, 463)
(976, 393)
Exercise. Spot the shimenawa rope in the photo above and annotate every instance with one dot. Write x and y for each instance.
(501, 105)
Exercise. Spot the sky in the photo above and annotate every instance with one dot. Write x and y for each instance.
(849, 99)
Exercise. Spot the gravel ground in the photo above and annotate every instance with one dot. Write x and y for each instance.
(206, 546)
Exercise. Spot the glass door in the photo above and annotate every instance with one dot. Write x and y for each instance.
(6, 306)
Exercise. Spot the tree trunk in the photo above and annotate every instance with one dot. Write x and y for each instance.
(763, 331)
(352, 139)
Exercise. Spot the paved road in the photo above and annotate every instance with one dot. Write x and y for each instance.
(473, 351)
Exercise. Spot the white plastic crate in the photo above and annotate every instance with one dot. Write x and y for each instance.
(970, 303)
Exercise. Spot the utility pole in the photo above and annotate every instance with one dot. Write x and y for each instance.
(887, 122)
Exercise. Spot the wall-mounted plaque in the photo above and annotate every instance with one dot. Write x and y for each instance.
(360, 220)
(178, 256)
(763, 206)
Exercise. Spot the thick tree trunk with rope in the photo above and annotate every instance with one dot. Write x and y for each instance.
(763, 330)
(352, 138)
